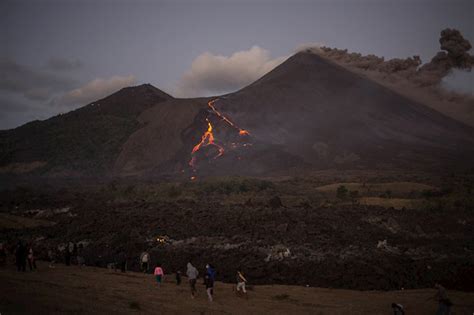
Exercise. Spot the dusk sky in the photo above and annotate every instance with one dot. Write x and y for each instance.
(58, 55)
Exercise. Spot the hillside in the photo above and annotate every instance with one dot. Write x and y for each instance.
(85, 141)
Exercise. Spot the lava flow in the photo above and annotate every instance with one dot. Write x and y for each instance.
(208, 136)
(207, 139)
(242, 132)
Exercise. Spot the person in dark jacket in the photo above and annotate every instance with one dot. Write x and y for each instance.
(209, 279)
(20, 255)
(398, 309)
(444, 303)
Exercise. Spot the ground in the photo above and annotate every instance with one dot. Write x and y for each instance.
(90, 290)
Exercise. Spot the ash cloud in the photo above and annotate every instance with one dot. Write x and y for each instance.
(454, 55)
(215, 74)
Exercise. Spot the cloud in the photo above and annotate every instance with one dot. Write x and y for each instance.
(63, 64)
(95, 89)
(459, 81)
(30, 82)
(215, 74)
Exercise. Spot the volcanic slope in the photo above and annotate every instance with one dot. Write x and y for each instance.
(82, 142)
(332, 117)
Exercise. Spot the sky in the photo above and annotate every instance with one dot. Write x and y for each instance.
(56, 56)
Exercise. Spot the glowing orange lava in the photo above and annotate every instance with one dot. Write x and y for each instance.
(206, 139)
(242, 132)
(209, 139)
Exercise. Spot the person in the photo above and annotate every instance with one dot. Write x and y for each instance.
(74, 253)
(192, 273)
(159, 274)
(3, 255)
(122, 260)
(51, 257)
(398, 309)
(209, 279)
(67, 256)
(79, 258)
(178, 277)
(241, 282)
(144, 261)
(31, 258)
(444, 303)
(20, 256)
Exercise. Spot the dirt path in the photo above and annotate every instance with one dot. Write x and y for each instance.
(72, 290)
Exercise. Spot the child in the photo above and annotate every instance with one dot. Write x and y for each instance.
(241, 282)
(159, 274)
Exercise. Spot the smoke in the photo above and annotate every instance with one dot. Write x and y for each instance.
(459, 81)
(215, 74)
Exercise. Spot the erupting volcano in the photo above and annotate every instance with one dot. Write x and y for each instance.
(208, 138)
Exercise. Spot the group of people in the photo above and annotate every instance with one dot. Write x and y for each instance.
(209, 278)
(24, 253)
(192, 273)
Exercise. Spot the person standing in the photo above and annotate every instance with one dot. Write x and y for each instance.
(3, 255)
(398, 309)
(31, 259)
(20, 256)
(444, 303)
(178, 277)
(52, 258)
(241, 280)
(67, 255)
(159, 274)
(192, 273)
(209, 279)
(144, 261)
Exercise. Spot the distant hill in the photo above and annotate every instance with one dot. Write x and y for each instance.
(85, 141)
(308, 113)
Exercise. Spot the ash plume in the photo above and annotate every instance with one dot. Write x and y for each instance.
(454, 54)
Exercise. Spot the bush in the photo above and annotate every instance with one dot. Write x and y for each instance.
(341, 192)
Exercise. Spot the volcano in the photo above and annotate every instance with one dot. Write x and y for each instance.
(308, 113)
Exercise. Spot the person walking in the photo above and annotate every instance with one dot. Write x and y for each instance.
(241, 280)
(192, 273)
(209, 279)
(31, 259)
(159, 274)
(144, 261)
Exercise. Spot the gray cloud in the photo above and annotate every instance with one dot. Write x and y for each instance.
(32, 83)
(63, 64)
(215, 74)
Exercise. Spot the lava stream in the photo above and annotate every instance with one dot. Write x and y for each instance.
(242, 132)
(206, 139)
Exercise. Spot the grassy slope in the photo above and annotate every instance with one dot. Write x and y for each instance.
(99, 291)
